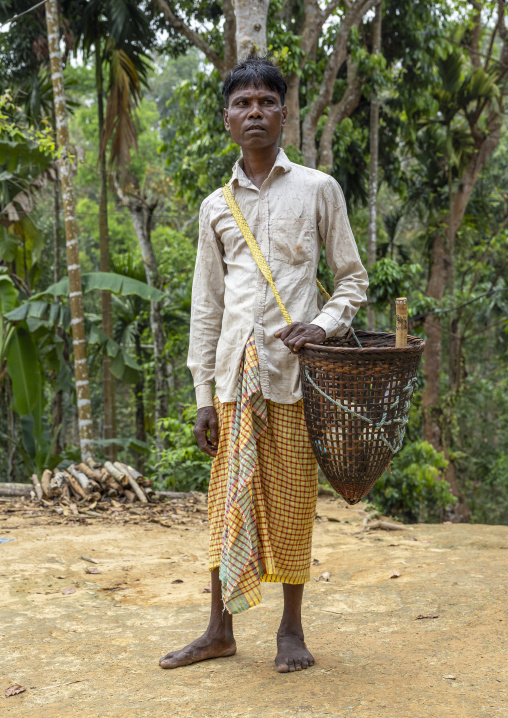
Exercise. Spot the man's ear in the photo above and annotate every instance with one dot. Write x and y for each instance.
(284, 115)
(226, 119)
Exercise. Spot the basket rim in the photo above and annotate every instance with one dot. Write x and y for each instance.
(417, 347)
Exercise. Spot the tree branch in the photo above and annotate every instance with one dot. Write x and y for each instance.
(339, 53)
(344, 108)
(194, 37)
(475, 37)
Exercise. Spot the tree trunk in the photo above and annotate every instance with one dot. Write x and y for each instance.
(250, 27)
(108, 381)
(374, 162)
(56, 232)
(229, 34)
(291, 132)
(141, 212)
(71, 236)
(57, 423)
(139, 389)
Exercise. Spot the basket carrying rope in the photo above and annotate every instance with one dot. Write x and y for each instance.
(357, 392)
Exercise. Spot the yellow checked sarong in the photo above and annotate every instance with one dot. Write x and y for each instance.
(262, 494)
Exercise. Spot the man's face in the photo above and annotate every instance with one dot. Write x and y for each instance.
(255, 117)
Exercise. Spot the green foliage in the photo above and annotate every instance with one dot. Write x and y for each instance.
(389, 280)
(182, 466)
(415, 490)
(107, 282)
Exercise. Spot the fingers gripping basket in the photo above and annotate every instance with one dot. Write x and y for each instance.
(356, 402)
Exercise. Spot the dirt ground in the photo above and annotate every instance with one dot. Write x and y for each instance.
(94, 652)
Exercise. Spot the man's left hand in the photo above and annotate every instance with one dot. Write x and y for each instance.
(296, 335)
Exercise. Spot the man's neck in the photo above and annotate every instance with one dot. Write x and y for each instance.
(257, 164)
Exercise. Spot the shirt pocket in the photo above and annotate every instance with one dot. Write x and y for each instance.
(292, 240)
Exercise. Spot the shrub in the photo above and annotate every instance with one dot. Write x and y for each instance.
(415, 490)
(182, 466)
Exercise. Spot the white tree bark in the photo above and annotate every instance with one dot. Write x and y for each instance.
(71, 236)
(251, 27)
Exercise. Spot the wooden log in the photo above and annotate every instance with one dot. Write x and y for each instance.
(75, 486)
(56, 484)
(129, 470)
(150, 493)
(92, 463)
(83, 479)
(129, 495)
(401, 322)
(37, 486)
(45, 479)
(117, 473)
(15, 489)
(135, 486)
(91, 473)
(173, 495)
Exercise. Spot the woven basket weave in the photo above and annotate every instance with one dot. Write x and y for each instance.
(356, 403)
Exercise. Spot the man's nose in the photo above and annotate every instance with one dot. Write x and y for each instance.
(255, 111)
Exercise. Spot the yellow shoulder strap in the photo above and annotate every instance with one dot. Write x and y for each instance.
(256, 251)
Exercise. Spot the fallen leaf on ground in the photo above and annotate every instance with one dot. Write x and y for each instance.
(67, 591)
(207, 589)
(92, 570)
(177, 580)
(394, 574)
(450, 678)
(315, 562)
(14, 690)
(90, 560)
(428, 615)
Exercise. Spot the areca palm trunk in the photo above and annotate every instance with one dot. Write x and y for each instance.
(71, 236)
(374, 163)
(108, 383)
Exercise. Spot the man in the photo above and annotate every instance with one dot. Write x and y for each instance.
(263, 485)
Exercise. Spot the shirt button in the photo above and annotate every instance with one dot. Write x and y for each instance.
(256, 320)
(260, 286)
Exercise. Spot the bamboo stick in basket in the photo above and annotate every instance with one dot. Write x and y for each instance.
(401, 322)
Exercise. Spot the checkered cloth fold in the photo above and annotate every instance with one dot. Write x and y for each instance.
(262, 494)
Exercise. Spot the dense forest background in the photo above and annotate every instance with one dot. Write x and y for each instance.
(402, 101)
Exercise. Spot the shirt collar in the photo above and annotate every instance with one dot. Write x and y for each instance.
(239, 176)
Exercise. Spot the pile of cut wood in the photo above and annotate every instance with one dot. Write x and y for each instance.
(88, 482)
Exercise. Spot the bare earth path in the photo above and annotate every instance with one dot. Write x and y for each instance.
(374, 659)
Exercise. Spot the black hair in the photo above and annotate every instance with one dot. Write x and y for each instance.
(254, 71)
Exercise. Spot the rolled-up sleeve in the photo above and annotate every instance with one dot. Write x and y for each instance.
(207, 308)
(351, 279)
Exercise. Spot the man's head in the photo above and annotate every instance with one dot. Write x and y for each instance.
(254, 94)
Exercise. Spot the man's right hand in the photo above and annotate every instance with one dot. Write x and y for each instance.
(206, 421)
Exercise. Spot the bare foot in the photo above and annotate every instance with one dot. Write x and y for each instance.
(202, 648)
(292, 654)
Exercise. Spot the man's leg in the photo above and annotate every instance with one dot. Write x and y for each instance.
(217, 641)
(292, 653)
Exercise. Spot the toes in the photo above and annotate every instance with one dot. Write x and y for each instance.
(167, 656)
(304, 663)
(283, 668)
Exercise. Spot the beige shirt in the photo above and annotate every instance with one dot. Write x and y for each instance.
(296, 210)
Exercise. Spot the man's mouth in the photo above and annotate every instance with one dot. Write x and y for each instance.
(255, 127)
